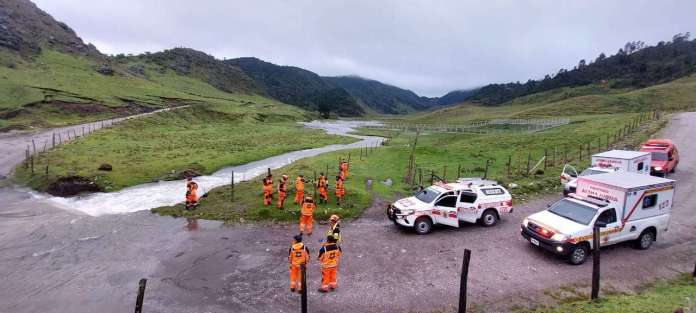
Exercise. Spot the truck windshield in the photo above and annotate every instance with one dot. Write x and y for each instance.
(659, 156)
(573, 211)
(427, 195)
(590, 171)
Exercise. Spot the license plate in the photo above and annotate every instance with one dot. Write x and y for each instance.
(534, 241)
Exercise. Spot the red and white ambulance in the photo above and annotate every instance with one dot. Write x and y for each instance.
(607, 162)
(627, 207)
(468, 200)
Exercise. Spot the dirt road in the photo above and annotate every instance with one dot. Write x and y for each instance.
(57, 261)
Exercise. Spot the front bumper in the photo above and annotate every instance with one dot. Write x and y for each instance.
(558, 248)
(403, 220)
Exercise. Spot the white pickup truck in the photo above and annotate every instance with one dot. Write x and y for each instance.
(469, 200)
(607, 162)
(627, 207)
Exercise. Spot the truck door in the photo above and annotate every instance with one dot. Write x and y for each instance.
(612, 233)
(467, 206)
(569, 173)
(445, 211)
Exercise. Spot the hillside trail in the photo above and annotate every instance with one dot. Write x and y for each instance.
(58, 261)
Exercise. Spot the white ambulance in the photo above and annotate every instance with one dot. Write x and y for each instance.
(469, 200)
(607, 162)
(627, 207)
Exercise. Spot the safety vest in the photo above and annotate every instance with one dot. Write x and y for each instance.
(330, 257)
(268, 184)
(322, 182)
(339, 184)
(344, 166)
(298, 254)
(281, 186)
(299, 184)
(308, 208)
(332, 232)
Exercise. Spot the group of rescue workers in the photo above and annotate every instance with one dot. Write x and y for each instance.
(298, 255)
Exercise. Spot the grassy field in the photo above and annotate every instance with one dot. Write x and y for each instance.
(433, 153)
(71, 79)
(592, 99)
(664, 296)
(202, 137)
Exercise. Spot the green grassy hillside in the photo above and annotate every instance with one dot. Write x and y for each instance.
(586, 100)
(57, 89)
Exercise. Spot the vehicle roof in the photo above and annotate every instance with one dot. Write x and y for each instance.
(621, 154)
(466, 184)
(626, 180)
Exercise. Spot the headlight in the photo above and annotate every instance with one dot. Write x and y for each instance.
(407, 212)
(525, 222)
(559, 237)
(658, 168)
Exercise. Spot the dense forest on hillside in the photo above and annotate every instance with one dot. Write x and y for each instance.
(635, 65)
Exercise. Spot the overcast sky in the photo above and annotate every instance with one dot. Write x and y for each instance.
(430, 47)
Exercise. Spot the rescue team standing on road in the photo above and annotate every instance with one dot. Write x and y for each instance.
(307, 215)
(298, 256)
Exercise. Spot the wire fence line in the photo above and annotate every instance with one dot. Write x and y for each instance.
(479, 127)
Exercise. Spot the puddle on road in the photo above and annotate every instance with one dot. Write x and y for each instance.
(166, 193)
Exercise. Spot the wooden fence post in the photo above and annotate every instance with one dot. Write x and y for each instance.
(546, 153)
(555, 151)
(33, 143)
(420, 178)
(232, 187)
(508, 164)
(141, 296)
(529, 160)
(32, 164)
(444, 173)
(463, 280)
(485, 173)
(303, 298)
(595, 263)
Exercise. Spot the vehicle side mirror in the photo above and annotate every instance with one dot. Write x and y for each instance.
(600, 224)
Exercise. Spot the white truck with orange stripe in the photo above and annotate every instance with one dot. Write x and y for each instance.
(627, 206)
(468, 200)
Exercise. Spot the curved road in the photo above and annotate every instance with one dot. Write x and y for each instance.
(58, 261)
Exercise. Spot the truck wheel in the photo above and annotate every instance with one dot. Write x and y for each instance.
(645, 240)
(489, 218)
(423, 225)
(579, 255)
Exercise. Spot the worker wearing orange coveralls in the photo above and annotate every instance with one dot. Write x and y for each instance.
(298, 256)
(322, 185)
(340, 190)
(329, 254)
(268, 190)
(307, 215)
(343, 167)
(299, 189)
(191, 196)
(282, 190)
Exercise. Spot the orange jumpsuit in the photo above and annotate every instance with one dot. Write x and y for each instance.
(282, 192)
(307, 216)
(340, 191)
(297, 256)
(191, 196)
(323, 190)
(267, 191)
(329, 254)
(344, 169)
(299, 190)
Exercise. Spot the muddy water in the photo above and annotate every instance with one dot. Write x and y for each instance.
(164, 193)
(86, 260)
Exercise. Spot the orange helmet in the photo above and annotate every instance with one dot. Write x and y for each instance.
(333, 218)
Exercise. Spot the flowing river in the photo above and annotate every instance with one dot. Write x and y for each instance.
(165, 193)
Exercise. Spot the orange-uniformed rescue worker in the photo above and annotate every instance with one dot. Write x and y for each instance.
(329, 254)
(282, 190)
(322, 185)
(307, 215)
(297, 257)
(334, 228)
(343, 167)
(299, 189)
(268, 190)
(191, 194)
(340, 190)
